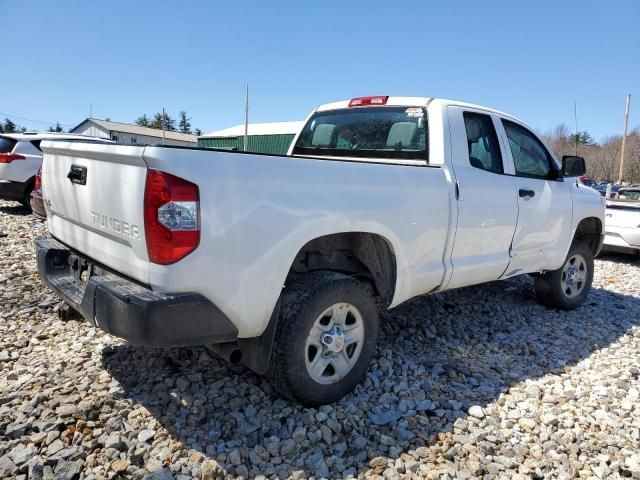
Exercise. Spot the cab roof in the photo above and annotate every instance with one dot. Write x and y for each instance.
(417, 102)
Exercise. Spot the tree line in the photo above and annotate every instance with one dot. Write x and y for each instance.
(161, 119)
(10, 127)
(183, 125)
(603, 158)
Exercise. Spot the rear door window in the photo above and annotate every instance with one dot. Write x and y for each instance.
(482, 140)
(7, 144)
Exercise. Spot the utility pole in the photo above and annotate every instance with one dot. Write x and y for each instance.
(624, 141)
(163, 121)
(246, 119)
(575, 118)
(91, 110)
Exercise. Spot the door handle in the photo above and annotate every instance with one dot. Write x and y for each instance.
(526, 193)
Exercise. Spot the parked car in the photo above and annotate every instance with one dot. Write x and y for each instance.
(629, 193)
(589, 182)
(602, 189)
(280, 262)
(36, 202)
(622, 222)
(20, 159)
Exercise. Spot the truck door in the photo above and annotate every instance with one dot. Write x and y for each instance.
(544, 202)
(487, 198)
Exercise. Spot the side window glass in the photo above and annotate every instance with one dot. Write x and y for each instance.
(484, 149)
(530, 158)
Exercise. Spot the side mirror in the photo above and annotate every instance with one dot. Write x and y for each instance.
(573, 166)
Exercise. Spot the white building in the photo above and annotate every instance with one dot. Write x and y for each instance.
(128, 134)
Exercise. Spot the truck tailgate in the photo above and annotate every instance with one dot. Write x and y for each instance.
(95, 200)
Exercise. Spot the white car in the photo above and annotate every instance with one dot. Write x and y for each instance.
(20, 159)
(622, 222)
(281, 261)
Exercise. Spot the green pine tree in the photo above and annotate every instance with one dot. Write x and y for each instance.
(159, 119)
(9, 126)
(185, 125)
(143, 121)
(581, 138)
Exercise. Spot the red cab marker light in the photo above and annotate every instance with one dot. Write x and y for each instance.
(10, 157)
(367, 101)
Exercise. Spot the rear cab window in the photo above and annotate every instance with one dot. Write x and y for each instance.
(7, 144)
(384, 132)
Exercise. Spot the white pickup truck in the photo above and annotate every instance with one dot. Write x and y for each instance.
(282, 262)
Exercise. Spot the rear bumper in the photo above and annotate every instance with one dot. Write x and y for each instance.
(126, 309)
(13, 190)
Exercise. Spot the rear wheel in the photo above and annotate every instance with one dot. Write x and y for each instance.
(325, 338)
(568, 286)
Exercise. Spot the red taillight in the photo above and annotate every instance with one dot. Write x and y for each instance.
(171, 217)
(10, 157)
(365, 101)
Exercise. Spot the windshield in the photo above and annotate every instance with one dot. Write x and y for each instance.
(374, 132)
(629, 194)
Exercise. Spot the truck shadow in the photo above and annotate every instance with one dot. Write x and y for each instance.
(616, 257)
(15, 209)
(437, 356)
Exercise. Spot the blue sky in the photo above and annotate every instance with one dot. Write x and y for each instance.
(133, 57)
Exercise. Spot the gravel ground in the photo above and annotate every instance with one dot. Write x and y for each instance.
(480, 382)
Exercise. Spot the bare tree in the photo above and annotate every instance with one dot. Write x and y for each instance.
(603, 159)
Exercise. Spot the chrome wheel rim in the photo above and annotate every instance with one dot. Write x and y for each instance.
(574, 275)
(334, 343)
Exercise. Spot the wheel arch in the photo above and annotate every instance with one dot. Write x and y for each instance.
(590, 231)
(365, 255)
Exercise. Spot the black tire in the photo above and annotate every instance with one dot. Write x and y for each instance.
(549, 287)
(26, 200)
(302, 304)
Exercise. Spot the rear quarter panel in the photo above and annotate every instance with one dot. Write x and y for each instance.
(257, 211)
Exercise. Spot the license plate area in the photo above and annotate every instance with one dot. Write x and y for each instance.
(82, 270)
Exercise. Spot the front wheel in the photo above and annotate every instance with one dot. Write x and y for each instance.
(568, 286)
(325, 339)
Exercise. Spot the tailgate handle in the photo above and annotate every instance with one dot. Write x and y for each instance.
(78, 174)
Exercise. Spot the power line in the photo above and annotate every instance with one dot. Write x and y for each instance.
(35, 121)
